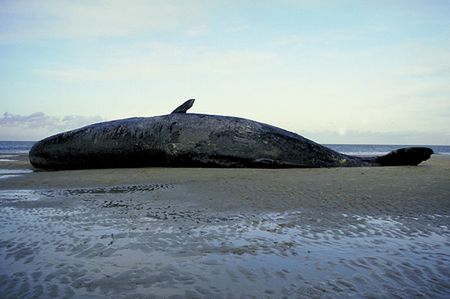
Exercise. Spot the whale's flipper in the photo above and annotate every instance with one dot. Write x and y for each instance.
(184, 107)
(404, 156)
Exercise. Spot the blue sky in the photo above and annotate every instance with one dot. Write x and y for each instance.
(333, 71)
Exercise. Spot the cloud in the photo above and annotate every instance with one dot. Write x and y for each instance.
(322, 39)
(31, 20)
(38, 125)
(164, 62)
(41, 120)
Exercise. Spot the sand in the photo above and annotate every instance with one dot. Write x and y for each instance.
(225, 233)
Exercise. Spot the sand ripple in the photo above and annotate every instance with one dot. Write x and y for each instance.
(140, 241)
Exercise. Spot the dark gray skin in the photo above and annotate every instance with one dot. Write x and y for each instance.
(196, 140)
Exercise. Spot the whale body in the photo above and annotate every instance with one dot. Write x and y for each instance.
(183, 139)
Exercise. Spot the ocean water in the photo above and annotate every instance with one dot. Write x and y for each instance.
(13, 147)
(381, 149)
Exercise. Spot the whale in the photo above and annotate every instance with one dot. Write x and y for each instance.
(182, 139)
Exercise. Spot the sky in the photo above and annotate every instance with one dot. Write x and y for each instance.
(373, 72)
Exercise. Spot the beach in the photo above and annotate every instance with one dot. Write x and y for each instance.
(378, 232)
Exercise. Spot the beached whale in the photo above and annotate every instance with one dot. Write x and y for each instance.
(183, 139)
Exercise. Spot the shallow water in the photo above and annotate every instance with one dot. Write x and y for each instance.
(15, 171)
(8, 158)
(10, 173)
(139, 240)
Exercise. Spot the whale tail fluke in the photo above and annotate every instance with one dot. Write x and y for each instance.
(404, 156)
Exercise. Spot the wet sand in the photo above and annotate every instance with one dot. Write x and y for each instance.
(225, 233)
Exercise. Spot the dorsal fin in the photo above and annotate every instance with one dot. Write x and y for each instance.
(184, 107)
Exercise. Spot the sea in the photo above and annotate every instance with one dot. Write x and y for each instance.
(14, 147)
